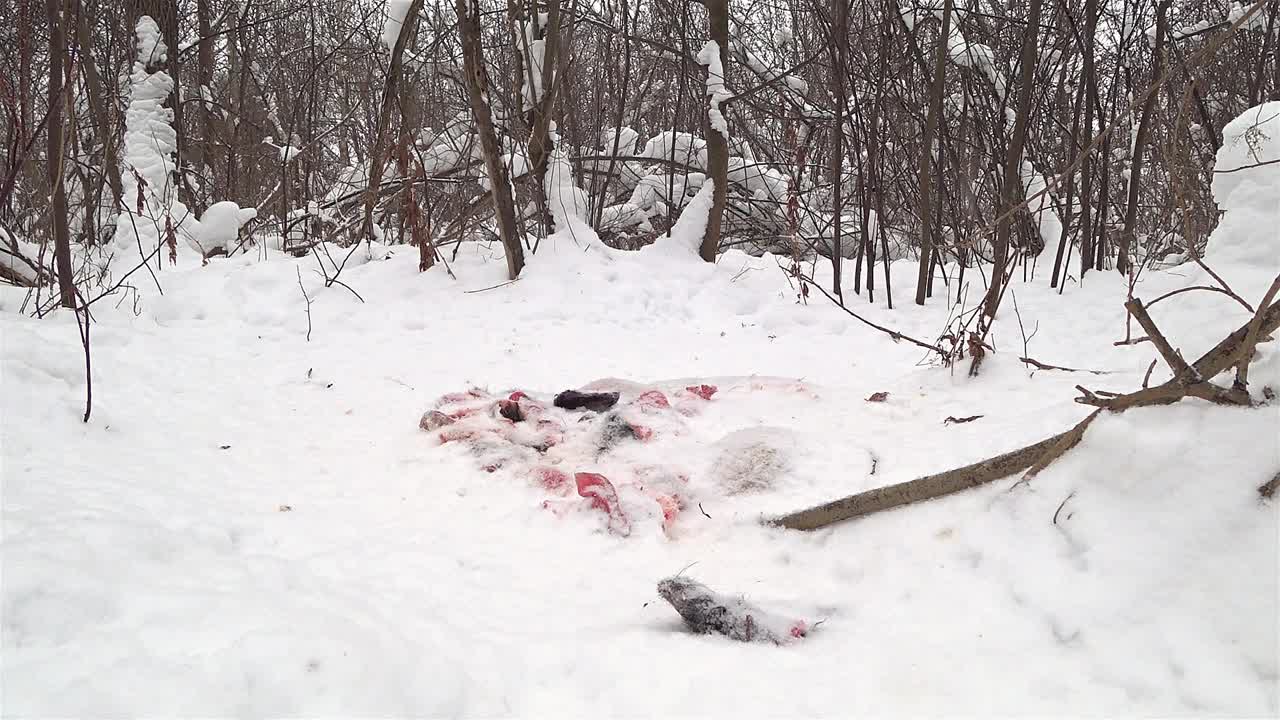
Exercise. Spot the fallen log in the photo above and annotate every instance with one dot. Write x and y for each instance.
(929, 487)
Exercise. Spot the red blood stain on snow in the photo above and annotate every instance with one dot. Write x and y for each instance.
(703, 391)
(454, 434)
(460, 397)
(552, 479)
(516, 432)
(652, 400)
(641, 432)
(670, 510)
(604, 497)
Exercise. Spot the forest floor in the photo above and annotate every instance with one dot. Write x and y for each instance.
(253, 524)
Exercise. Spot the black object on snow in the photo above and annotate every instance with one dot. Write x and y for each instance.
(597, 401)
(706, 611)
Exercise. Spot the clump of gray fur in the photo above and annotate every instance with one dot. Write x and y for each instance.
(705, 611)
(753, 460)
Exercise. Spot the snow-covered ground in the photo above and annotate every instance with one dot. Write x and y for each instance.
(253, 524)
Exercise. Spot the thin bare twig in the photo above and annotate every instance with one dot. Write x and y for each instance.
(306, 297)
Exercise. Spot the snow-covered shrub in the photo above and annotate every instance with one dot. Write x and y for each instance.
(152, 213)
(220, 225)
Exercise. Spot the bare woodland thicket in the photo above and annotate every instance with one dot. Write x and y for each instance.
(1035, 140)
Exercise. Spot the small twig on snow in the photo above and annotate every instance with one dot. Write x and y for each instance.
(308, 299)
(1047, 366)
(491, 287)
(1064, 504)
(1268, 489)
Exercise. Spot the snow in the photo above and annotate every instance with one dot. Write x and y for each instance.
(681, 146)
(1043, 213)
(709, 56)
(397, 13)
(18, 257)
(1257, 21)
(253, 524)
(624, 136)
(685, 235)
(766, 73)
(566, 201)
(150, 204)
(149, 42)
(623, 216)
(533, 52)
(1247, 191)
(220, 224)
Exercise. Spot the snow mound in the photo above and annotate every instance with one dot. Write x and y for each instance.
(685, 236)
(221, 222)
(1248, 190)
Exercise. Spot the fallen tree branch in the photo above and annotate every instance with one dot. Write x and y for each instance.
(1226, 353)
(1036, 457)
(1171, 356)
(1047, 366)
(1252, 335)
(934, 486)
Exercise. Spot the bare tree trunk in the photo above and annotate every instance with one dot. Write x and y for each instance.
(717, 142)
(1086, 171)
(839, 43)
(539, 121)
(1140, 143)
(235, 95)
(57, 10)
(624, 82)
(1012, 189)
(1068, 208)
(204, 80)
(926, 155)
(389, 92)
(102, 114)
(477, 93)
